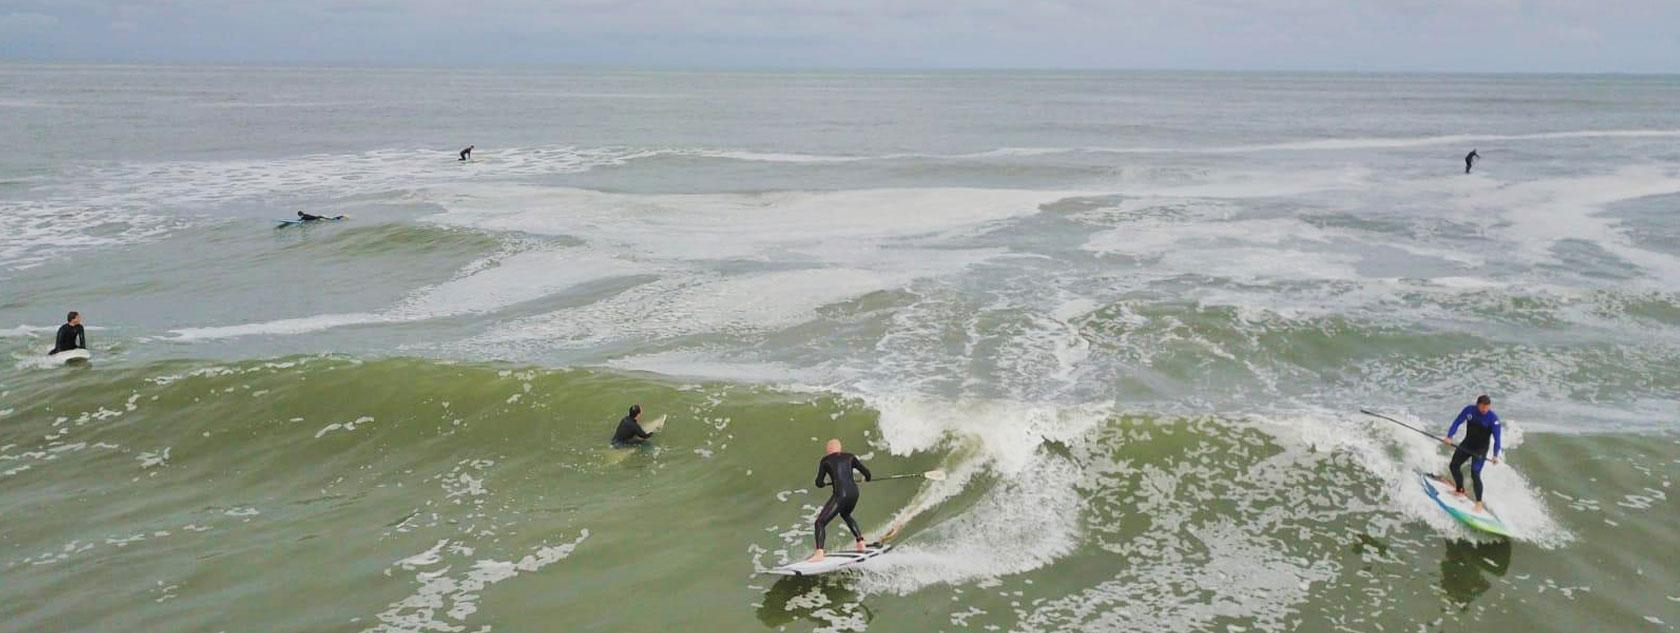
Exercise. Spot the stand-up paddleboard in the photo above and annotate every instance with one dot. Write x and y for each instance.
(71, 356)
(833, 561)
(1462, 508)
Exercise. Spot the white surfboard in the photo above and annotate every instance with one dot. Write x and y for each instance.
(833, 561)
(71, 355)
(654, 425)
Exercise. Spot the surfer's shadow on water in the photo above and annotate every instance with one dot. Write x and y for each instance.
(1468, 569)
(822, 601)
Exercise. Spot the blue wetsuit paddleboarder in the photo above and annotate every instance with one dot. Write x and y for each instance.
(1480, 424)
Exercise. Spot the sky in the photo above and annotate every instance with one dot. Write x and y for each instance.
(1640, 36)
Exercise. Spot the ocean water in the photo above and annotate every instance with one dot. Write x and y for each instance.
(1133, 315)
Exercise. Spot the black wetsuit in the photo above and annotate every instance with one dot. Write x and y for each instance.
(837, 469)
(1470, 160)
(629, 432)
(466, 153)
(309, 217)
(69, 337)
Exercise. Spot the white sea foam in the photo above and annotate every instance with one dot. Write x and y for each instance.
(829, 246)
(445, 601)
(1341, 144)
(1031, 516)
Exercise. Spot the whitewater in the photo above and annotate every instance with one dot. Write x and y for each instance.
(1132, 315)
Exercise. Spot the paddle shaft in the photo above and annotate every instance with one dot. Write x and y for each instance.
(904, 476)
(1482, 455)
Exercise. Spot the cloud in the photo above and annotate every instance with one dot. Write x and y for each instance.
(22, 23)
(1541, 35)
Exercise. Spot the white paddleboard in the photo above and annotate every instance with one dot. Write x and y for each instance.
(1462, 508)
(834, 561)
(71, 355)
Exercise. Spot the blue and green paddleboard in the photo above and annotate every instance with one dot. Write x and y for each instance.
(1462, 508)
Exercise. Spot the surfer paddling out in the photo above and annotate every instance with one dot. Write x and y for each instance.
(630, 431)
(71, 335)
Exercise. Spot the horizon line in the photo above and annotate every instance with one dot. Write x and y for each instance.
(726, 68)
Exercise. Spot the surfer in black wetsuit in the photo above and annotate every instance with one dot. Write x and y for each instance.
(836, 467)
(466, 153)
(630, 431)
(70, 335)
(1470, 160)
(310, 217)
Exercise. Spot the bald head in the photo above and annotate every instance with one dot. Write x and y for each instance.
(833, 447)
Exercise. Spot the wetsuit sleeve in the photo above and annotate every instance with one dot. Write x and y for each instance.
(822, 473)
(1497, 425)
(639, 432)
(1458, 421)
(857, 465)
(81, 338)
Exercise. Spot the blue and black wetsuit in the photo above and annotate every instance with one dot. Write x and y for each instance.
(1482, 427)
(837, 469)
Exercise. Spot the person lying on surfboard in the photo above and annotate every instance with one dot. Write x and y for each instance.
(310, 217)
(70, 335)
(836, 467)
(1483, 424)
(630, 431)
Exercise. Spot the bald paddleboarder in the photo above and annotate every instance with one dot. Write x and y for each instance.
(836, 468)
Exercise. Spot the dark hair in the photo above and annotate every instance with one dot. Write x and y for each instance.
(635, 409)
(1483, 399)
(72, 316)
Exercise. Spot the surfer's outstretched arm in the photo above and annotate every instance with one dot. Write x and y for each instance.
(1459, 421)
(857, 465)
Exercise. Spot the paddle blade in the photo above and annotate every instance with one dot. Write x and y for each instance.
(934, 475)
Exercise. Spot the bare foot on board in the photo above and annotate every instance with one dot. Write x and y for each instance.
(816, 558)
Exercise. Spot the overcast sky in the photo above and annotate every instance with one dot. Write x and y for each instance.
(1359, 35)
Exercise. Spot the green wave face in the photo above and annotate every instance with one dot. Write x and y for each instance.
(418, 495)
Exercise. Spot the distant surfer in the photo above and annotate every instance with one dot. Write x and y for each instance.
(466, 153)
(836, 468)
(630, 431)
(70, 335)
(1481, 423)
(310, 217)
(1470, 160)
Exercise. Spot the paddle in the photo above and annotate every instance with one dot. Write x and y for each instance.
(1482, 455)
(932, 475)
